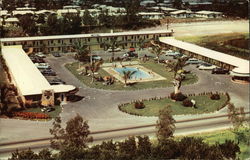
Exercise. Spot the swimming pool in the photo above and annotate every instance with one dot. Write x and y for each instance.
(139, 74)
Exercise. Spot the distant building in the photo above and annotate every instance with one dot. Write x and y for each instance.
(151, 15)
(208, 14)
(45, 12)
(149, 3)
(9, 21)
(182, 14)
(18, 13)
(63, 12)
(3, 13)
(72, 7)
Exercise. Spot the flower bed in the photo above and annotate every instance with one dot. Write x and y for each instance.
(31, 115)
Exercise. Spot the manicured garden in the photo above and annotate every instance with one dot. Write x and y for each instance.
(152, 65)
(52, 114)
(204, 104)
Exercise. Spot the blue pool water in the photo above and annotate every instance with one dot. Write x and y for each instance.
(140, 74)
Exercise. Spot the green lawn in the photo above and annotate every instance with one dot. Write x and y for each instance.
(158, 68)
(203, 103)
(218, 43)
(221, 136)
(52, 114)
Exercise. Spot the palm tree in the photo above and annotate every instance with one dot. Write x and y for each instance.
(176, 67)
(82, 52)
(94, 67)
(141, 44)
(112, 44)
(157, 50)
(127, 75)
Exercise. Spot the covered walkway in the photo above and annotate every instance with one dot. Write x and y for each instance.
(25, 75)
(237, 65)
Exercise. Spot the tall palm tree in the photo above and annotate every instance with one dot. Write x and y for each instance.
(127, 75)
(82, 52)
(176, 67)
(141, 44)
(112, 44)
(157, 50)
(94, 67)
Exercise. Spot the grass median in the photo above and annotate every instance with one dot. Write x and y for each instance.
(152, 107)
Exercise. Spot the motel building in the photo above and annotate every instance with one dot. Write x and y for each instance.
(30, 83)
(239, 68)
(64, 43)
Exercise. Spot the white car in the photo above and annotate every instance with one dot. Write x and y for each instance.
(171, 53)
(40, 54)
(42, 65)
(193, 61)
(115, 50)
(207, 66)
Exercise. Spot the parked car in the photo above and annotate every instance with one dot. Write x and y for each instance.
(220, 71)
(130, 54)
(193, 61)
(35, 59)
(56, 54)
(96, 58)
(171, 53)
(56, 81)
(40, 54)
(115, 50)
(47, 109)
(42, 65)
(48, 73)
(203, 63)
(207, 66)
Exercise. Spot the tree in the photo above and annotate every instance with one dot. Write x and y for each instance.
(165, 124)
(176, 67)
(132, 8)
(26, 154)
(127, 75)
(87, 19)
(82, 52)
(94, 67)
(28, 24)
(143, 147)
(157, 50)
(74, 137)
(112, 44)
(229, 149)
(141, 44)
(177, 4)
(127, 149)
(237, 117)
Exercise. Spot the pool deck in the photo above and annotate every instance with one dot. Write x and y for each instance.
(109, 67)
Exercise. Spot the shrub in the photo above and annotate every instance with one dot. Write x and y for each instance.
(139, 105)
(187, 103)
(178, 97)
(215, 96)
